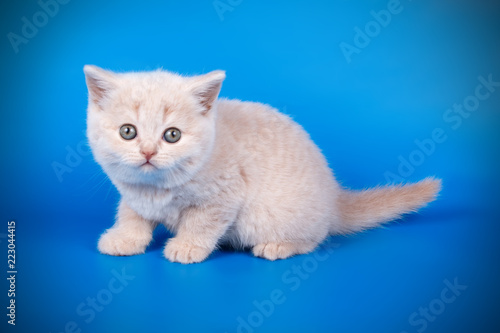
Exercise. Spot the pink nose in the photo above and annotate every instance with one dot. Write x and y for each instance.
(148, 154)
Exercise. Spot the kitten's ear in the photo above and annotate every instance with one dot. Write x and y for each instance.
(207, 87)
(99, 83)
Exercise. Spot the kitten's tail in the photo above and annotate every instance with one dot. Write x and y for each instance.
(365, 209)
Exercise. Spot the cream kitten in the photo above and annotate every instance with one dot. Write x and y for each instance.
(220, 171)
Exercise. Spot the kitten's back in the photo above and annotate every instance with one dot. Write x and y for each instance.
(284, 170)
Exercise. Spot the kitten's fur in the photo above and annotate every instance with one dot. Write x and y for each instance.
(242, 173)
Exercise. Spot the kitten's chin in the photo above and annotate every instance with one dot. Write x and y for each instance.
(148, 175)
(143, 175)
(148, 167)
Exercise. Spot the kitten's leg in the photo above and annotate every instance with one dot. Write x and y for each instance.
(130, 235)
(273, 251)
(198, 234)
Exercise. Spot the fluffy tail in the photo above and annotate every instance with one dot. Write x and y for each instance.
(361, 210)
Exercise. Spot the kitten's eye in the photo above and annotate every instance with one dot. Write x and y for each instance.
(128, 132)
(172, 135)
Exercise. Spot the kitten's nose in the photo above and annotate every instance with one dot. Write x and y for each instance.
(148, 153)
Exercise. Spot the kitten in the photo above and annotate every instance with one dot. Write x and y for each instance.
(220, 171)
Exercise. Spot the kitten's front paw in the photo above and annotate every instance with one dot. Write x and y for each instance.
(114, 243)
(184, 252)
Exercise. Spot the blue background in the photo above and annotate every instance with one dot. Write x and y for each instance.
(364, 114)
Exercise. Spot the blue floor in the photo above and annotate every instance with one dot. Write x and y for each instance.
(390, 91)
(375, 281)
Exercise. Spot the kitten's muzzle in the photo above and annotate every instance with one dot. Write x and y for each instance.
(148, 154)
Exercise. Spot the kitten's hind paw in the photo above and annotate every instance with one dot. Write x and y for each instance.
(115, 243)
(184, 252)
(273, 251)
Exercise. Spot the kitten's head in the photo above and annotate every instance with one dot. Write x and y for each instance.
(154, 128)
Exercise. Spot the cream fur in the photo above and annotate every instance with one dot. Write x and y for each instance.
(242, 173)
